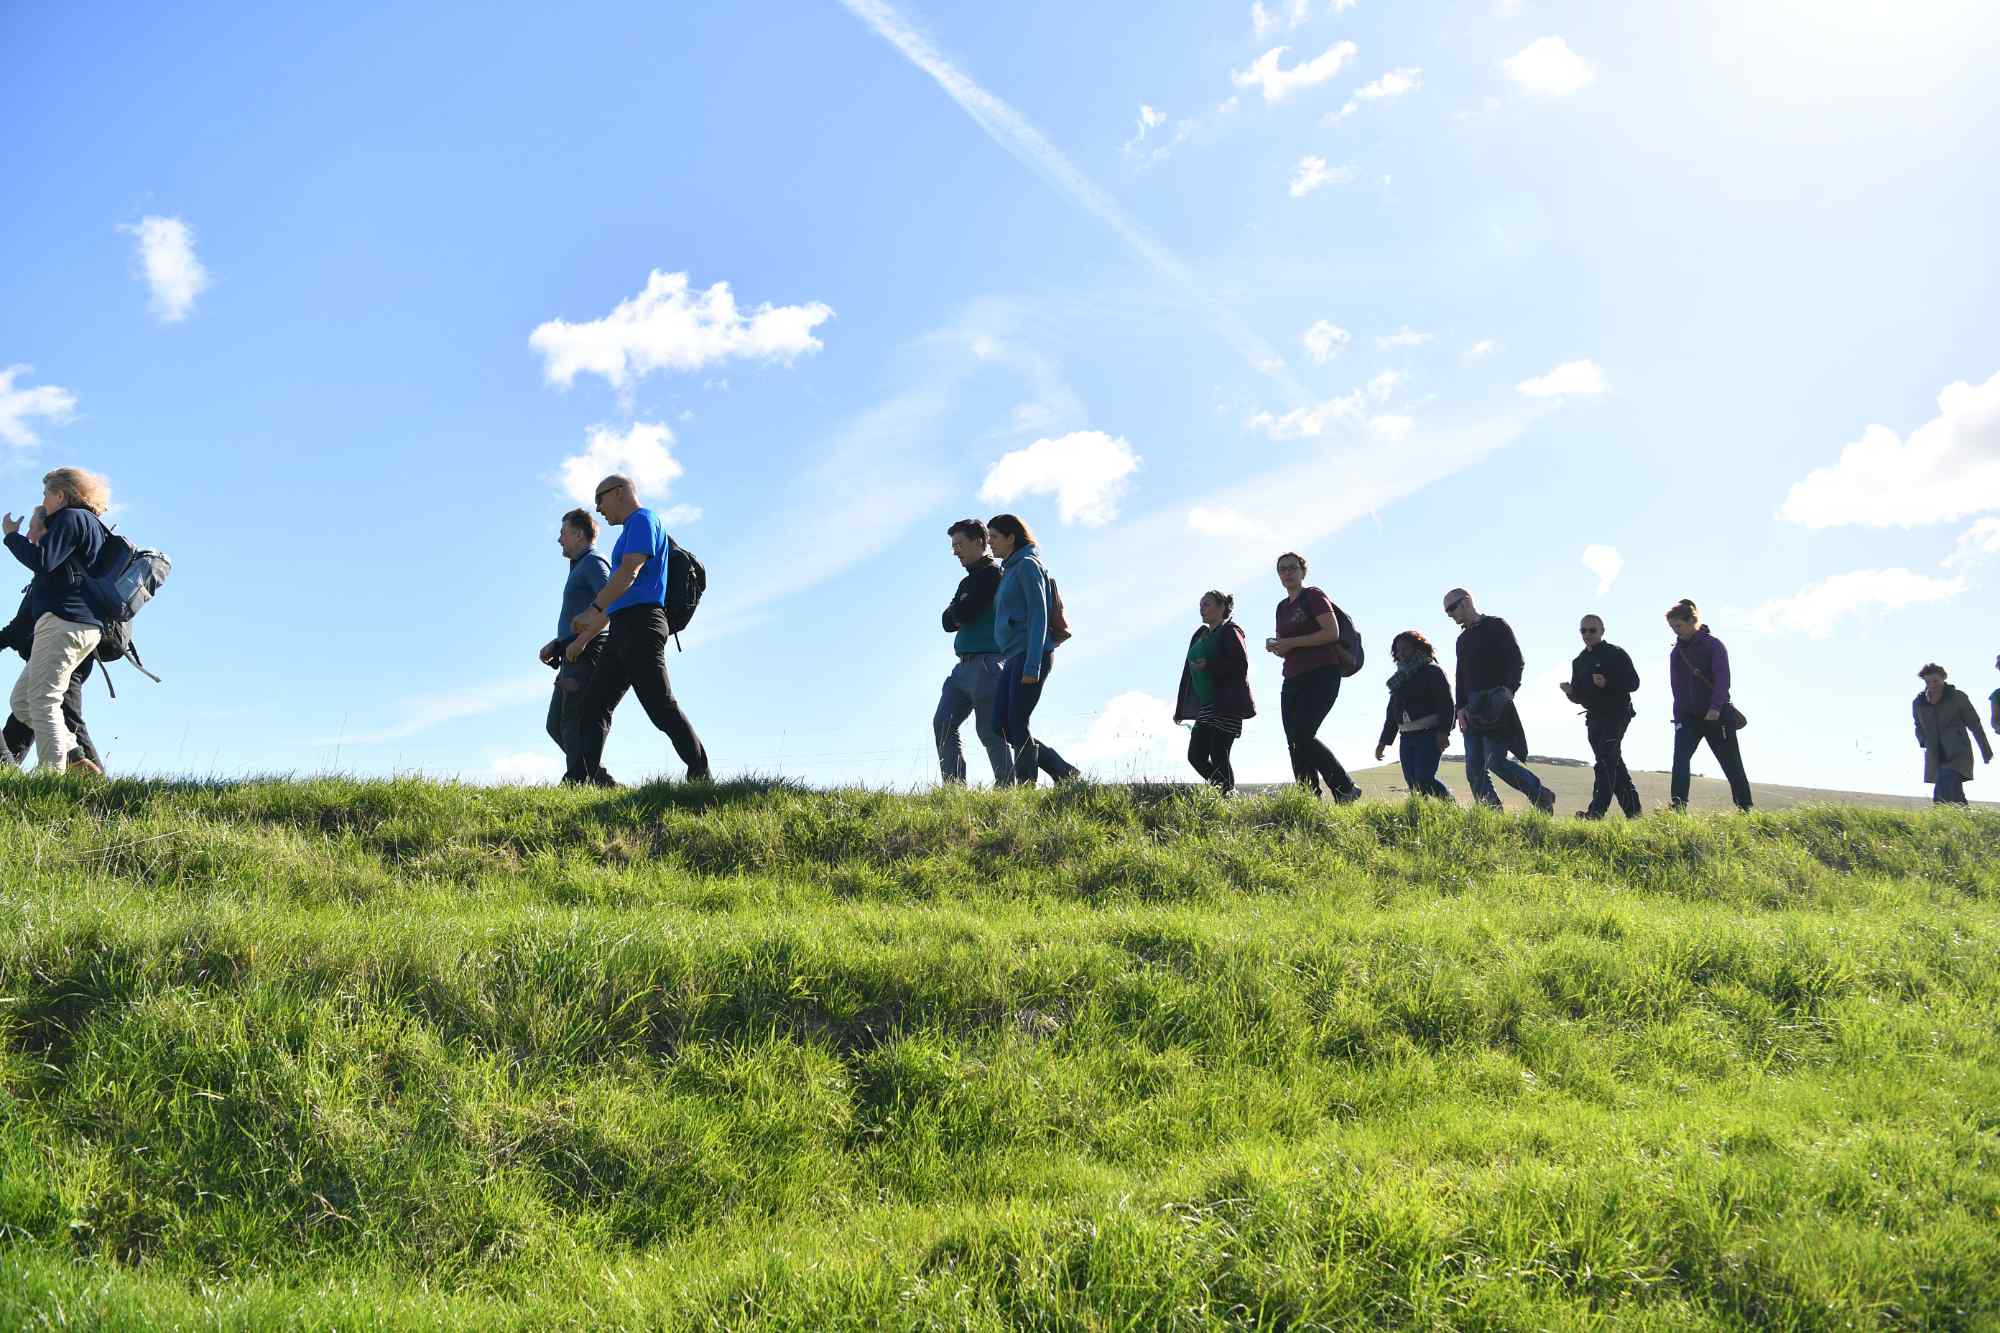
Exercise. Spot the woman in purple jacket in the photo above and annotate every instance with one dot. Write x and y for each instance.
(1699, 670)
(1215, 690)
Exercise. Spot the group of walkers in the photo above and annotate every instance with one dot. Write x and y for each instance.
(1003, 618)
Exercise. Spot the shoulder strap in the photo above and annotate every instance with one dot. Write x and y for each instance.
(1698, 673)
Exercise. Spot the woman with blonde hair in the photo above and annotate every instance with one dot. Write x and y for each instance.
(67, 627)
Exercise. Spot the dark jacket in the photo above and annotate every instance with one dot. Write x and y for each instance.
(70, 543)
(1703, 653)
(1946, 729)
(1620, 679)
(1228, 671)
(1489, 659)
(1421, 694)
(969, 615)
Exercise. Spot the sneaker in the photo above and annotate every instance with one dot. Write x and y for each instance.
(1590, 814)
(83, 763)
(1347, 796)
(1545, 801)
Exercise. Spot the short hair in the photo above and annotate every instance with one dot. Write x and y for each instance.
(1413, 636)
(1293, 555)
(1685, 611)
(1227, 602)
(1933, 669)
(968, 527)
(1592, 615)
(1456, 594)
(1017, 532)
(582, 522)
(77, 487)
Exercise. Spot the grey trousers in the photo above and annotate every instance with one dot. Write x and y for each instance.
(968, 692)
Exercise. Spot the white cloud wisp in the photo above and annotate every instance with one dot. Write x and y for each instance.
(669, 326)
(49, 402)
(174, 277)
(1087, 471)
(1948, 468)
(1324, 340)
(1278, 83)
(1313, 174)
(1606, 563)
(1571, 379)
(1818, 608)
(644, 453)
(1547, 67)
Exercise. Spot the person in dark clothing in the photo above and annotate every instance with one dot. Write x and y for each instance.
(1601, 682)
(1698, 668)
(634, 605)
(1215, 691)
(1947, 724)
(1489, 674)
(970, 689)
(67, 628)
(1308, 639)
(1419, 717)
(574, 656)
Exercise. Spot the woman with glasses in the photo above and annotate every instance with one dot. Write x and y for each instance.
(1215, 691)
(1308, 639)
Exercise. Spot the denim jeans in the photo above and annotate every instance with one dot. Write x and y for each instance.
(1421, 752)
(1613, 781)
(1013, 706)
(1486, 755)
(1950, 788)
(1303, 703)
(1688, 737)
(969, 692)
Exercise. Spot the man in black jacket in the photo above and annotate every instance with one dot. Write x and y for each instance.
(1490, 667)
(970, 688)
(1601, 682)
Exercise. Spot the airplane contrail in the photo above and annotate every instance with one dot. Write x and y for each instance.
(1012, 131)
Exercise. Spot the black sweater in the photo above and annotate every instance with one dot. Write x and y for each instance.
(974, 597)
(1621, 678)
(1423, 693)
(1488, 657)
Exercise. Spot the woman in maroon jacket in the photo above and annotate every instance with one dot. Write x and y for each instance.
(1215, 690)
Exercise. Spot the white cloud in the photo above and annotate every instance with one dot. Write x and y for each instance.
(1571, 379)
(1134, 727)
(50, 402)
(1279, 83)
(1403, 337)
(1392, 429)
(1606, 563)
(173, 275)
(669, 326)
(1087, 471)
(1396, 83)
(1506, 9)
(1324, 341)
(1385, 384)
(644, 453)
(1480, 350)
(1011, 130)
(1304, 423)
(1262, 20)
(1975, 544)
(1817, 608)
(523, 766)
(1547, 67)
(1948, 468)
(1313, 173)
(1149, 120)
(1220, 521)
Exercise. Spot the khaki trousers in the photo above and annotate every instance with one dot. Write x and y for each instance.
(61, 646)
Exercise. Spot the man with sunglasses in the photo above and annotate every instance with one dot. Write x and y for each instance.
(634, 604)
(1601, 682)
(1490, 668)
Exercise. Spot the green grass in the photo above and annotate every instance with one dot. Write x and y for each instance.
(337, 1054)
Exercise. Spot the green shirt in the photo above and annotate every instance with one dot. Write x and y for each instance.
(1199, 651)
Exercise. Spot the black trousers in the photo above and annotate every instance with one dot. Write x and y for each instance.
(634, 659)
(19, 737)
(1688, 737)
(566, 706)
(1613, 780)
(1208, 752)
(1303, 704)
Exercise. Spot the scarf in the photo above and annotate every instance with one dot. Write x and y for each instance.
(1404, 670)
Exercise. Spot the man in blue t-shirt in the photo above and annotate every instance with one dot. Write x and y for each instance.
(634, 604)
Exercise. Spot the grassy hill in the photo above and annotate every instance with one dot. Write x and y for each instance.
(338, 1055)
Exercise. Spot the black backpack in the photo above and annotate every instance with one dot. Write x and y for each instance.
(1350, 641)
(687, 580)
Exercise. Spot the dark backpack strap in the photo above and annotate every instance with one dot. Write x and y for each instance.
(104, 670)
(132, 656)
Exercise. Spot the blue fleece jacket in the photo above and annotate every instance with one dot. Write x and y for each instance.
(1021, 609)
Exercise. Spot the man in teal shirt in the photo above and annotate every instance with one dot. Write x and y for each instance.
(970, 688)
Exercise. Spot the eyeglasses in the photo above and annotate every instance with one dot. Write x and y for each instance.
(609, 490)
(1453, 605)
(1588, 629)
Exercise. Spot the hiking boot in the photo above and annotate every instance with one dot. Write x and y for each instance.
(1590, 814)
(1545, 801)
(83, 763)
(1347, 796)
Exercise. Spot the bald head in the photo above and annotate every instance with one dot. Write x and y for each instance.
(616, 498)
(1458, 605)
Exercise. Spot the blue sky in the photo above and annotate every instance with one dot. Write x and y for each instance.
(1436, 294)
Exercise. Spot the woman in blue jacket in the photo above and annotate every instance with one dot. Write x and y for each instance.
(1027, 647)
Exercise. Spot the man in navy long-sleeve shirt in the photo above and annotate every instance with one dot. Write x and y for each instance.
(574, 655)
